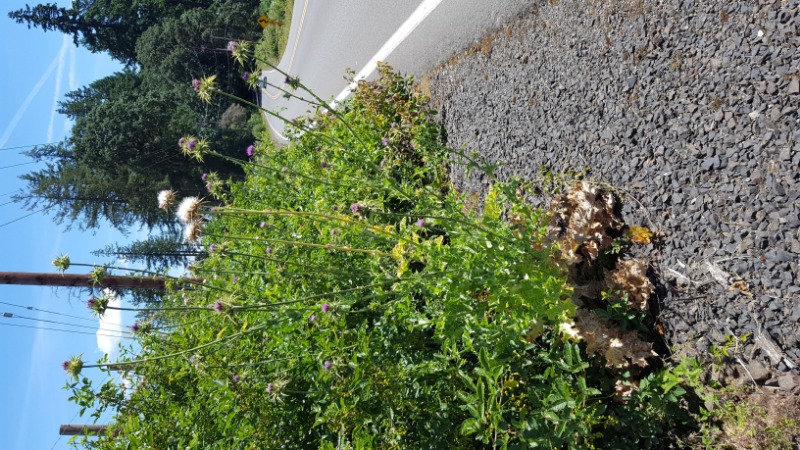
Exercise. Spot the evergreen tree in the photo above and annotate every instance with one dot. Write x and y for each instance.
(80, 194)
(158, 253)
(111, 26)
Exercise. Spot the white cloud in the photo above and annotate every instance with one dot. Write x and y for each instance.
(110, 326)
(62, 56)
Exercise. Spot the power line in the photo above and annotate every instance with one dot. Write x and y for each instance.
(64, 331)
(56, 322)
(25, 146)
(60, 435)
(17, 165)
(26, 215)
(32, 308)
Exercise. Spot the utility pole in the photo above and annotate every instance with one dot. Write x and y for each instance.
(83, 280)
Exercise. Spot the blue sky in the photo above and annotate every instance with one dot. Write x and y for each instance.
(39, 68)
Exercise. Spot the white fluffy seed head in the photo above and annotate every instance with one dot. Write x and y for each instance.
(166, 199)
(189, 210)
(193, 231)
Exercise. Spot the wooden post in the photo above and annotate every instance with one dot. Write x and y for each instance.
(82, 280)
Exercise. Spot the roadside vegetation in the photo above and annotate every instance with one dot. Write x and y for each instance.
(270, 47)
(353, 297)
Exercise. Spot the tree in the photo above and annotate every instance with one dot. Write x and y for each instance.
(123, 149)
(192, 45)
(156, 252)
(111, 26)
(80, 194)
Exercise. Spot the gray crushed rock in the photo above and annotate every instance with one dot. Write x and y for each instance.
(688, 108)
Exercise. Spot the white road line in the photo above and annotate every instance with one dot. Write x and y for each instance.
(423, 10)
(417, 17)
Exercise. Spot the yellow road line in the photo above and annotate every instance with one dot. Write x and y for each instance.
(294, 50)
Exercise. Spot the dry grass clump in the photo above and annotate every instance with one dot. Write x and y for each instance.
(758, 419)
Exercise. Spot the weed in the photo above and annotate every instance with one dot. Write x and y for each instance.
(354, 299)
(752, 418)
(676, 61)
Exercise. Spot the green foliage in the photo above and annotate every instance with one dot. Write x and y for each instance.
(747, 417)
(274, 38)
(352, 300)
(192, 44)
(111, 26)
(730, 348)
(617, 309)
(121, 153)
(81, 194)
(157, 253)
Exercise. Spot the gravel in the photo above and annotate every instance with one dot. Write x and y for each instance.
(690, 110)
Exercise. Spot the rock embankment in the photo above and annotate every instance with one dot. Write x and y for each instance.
(689, 109)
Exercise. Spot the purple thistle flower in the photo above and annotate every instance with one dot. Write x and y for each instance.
(335, 208)
(181, 141)
(294, 121)
(135, 327)
(319, 147)
(246, 75)
(324, 164)
(287, 80)
(232, 46)
(204, 176)
(269, 250)
(65, 365)
(235, 378)
(212, 248)
(262, 224)
(327, 365)
(325, 308)
(421, 223)
(196, 84)
(91, 302)
(191, 144)
(333, 232)
(270, 388)
(384, 142)
(250, 150)
(218, 307)
(355, 208)
(394, 124)
(235, 279)
(313, 318)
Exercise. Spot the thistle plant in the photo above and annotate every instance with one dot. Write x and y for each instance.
(62, 263)
(352, 293)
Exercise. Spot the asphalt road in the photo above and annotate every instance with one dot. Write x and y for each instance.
(329, 36)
